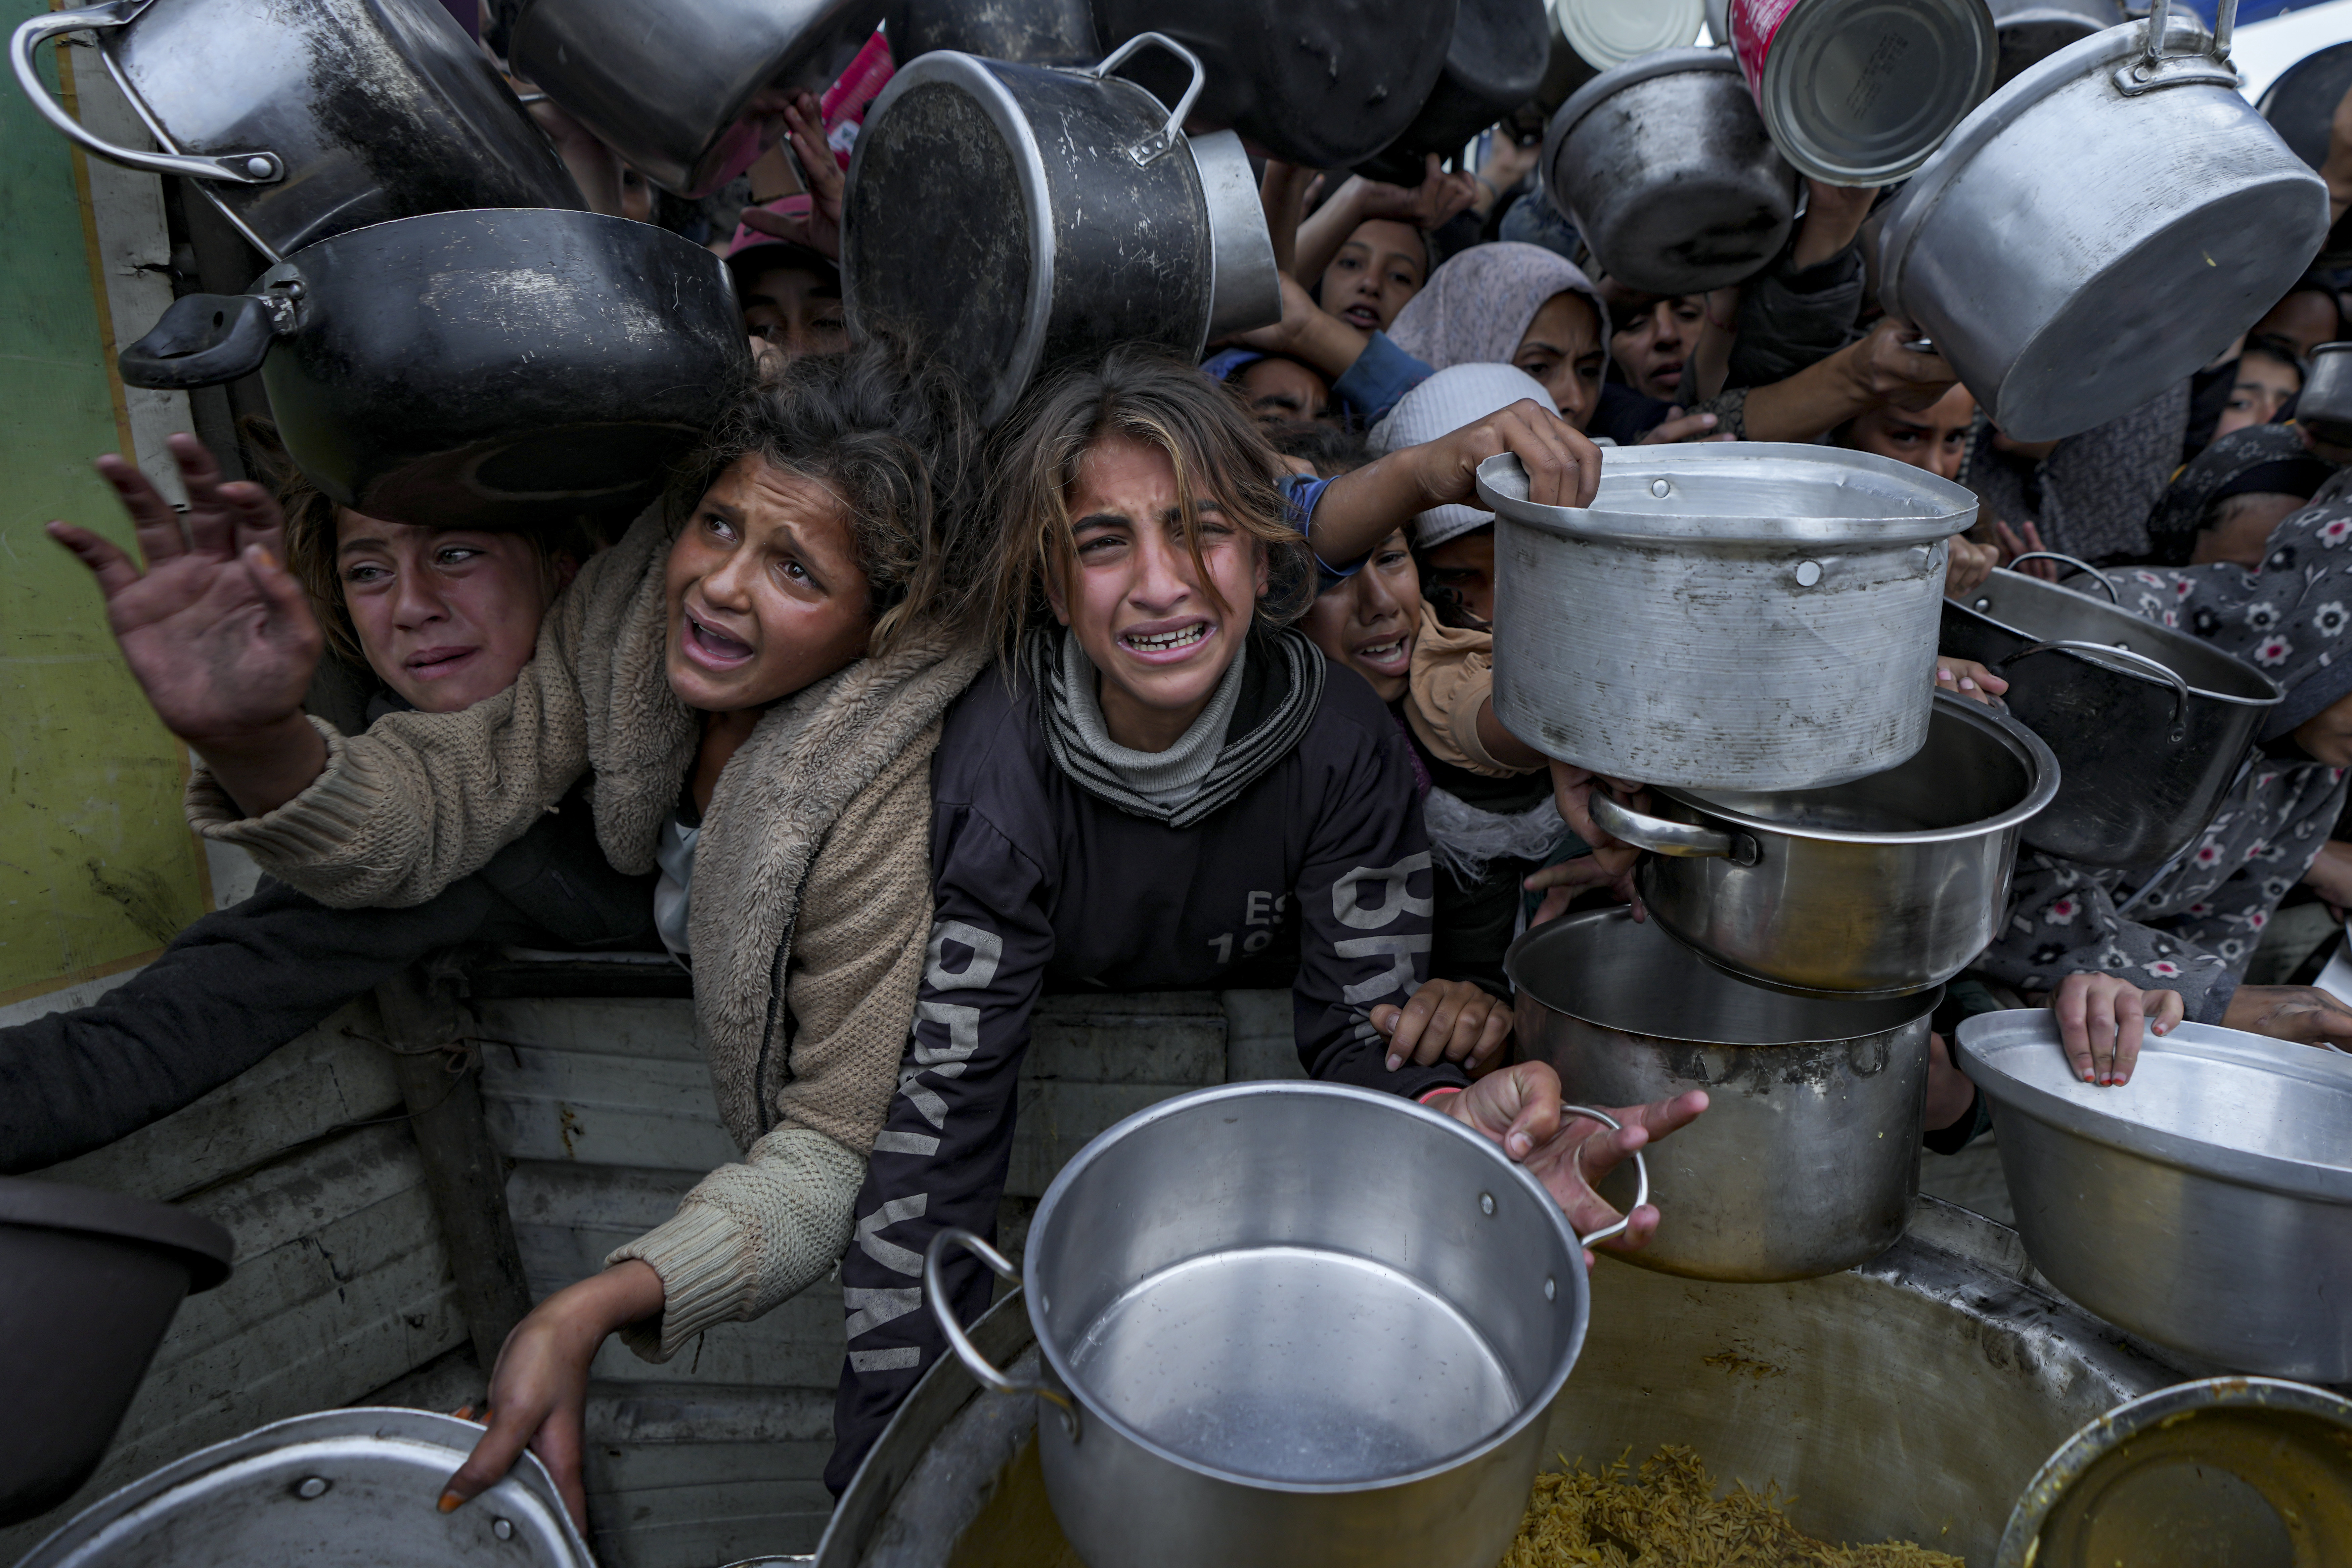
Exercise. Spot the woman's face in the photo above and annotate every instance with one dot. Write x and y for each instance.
(446, 617)
(1561, 348)
(1382, 264)
(1161, 630)
(2326, 735)
(1653, 346)
(766, 594)
(1367, 621)
(2261, 389)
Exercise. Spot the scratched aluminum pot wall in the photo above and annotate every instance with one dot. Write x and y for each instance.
(1808, 1157)
(1728, 615)
(1055, 212)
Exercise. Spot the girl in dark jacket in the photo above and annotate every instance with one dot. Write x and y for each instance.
(1161, 786)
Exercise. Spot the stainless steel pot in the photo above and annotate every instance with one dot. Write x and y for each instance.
(1860, 92)
(1733, 616)
(88, 1282)
(2103, 224)
(2149, 724)
(509, 366)
(2031, 31)
(1589, 37)
(2300, 103)
(2206, 1205)
(690, 95)
(1886, 886)
(1909, 1398)
(304, 122)
(341, 1489)
(2323, 406)
(1323, 83)
(1054, 213)
(1663, 165)
(1291, 1324)
(1808, 1157)
(2237, 1470)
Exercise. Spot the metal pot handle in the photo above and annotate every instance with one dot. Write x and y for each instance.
(2142, 664)
(2077, 563)
(257, 168)
(2153, 69)
(204, 339)
(1640, 1173)
(935, 1293)
(1664, 837)
(1167, 136)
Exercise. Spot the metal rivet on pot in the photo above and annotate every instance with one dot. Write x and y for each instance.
(1984, 604)
(1486, 1203)
(259, 168)
(312, 1487)
(1551, 1288)
(1808, 573)
(295, 291)
(503, 1529)
(1661, 489)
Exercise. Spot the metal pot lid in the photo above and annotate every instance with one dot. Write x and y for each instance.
(2251, 1470)
(2100, 52)
(2187, 652)
(1869, 113)
(340, 1488)
(1720, 804)
(1611, 32)
(2301, 102)
(1665, 62)
(2218, 1102)
(52, 1205)
(1705, 496)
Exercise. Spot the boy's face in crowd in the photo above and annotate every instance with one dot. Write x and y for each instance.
(766, 592)
(1283, 392)
(1367, 622)
(1382, 264)
(1654, 345)
(446, 617)
(796, 309)
(1935, 438)
(1465, 564)
(1161, 630)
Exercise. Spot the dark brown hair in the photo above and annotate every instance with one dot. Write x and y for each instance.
(1220, 454)
(891, 435)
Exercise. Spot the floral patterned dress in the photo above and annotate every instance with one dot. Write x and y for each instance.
(2194, 924)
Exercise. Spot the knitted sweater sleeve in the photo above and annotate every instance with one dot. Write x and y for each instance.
(756, 1234)
(420, 800)
(1452, 678)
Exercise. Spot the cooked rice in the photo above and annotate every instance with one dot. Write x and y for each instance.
(1670, 1518)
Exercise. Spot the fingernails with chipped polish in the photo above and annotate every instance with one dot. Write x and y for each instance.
(451, 1502)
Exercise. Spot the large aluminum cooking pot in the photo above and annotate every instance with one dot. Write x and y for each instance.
(1323, 83)
(88, 1282)
(1291, 1324)
(1493, 63)
(1725, 615)
(1883, 885)
(690, 95)
(2102, 225)
(2235, 1470)
(1909, 1398)
(2206, 1205)
(1054, 213)
(522, 367)
(2300, 103)
(2149, 724)
(1663, 166)
(307, 120)
(1808, 1157)
(2323, 406)
(340, 1488)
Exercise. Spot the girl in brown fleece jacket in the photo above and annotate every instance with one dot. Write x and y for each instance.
(754, 677)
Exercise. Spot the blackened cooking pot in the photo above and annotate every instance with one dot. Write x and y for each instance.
(305, 120)
(1493, 63)
(88, 1282)
(1021, 214)
(2149, 724)
(1885, 886)
(515, 365)
(1026, 32)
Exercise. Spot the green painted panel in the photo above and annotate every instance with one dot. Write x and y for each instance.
(96, 863)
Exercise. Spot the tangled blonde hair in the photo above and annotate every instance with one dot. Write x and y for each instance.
(1219, 452)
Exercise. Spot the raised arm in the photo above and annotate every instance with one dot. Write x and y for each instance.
(1360, 508)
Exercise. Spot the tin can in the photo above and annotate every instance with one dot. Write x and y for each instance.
(1860, 92)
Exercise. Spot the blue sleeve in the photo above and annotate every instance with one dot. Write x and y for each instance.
(1299, 494)
(1381, 375)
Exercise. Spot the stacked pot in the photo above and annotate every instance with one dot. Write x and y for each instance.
(1751, 629)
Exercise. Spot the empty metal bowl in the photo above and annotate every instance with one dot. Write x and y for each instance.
(2206, 1205)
